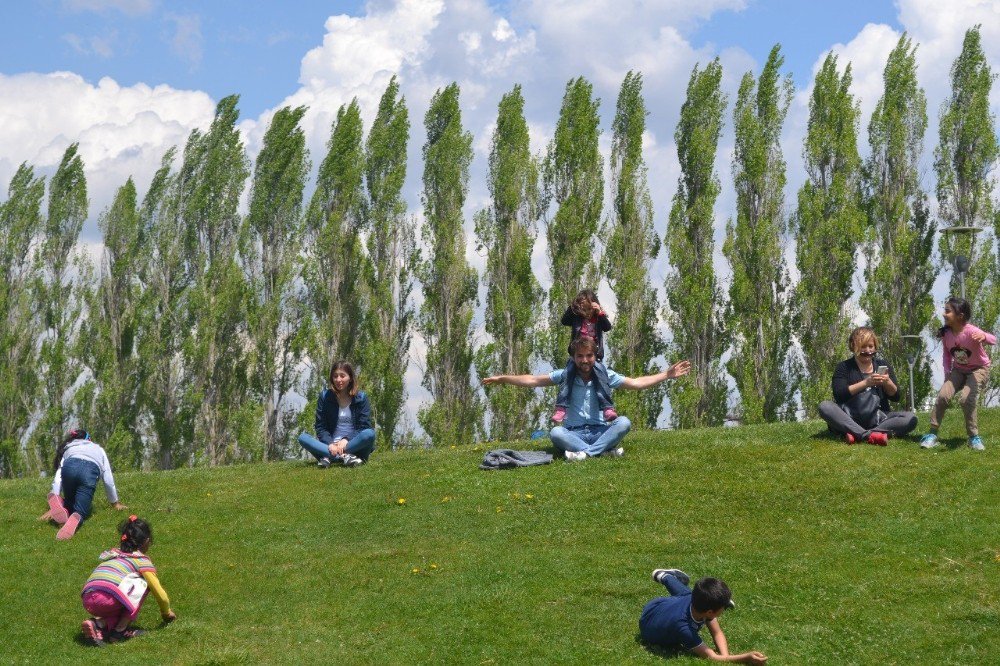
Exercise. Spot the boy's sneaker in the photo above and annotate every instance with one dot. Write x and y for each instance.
(614, 453)
(57, 511)
(69, 529)
(878, 438)
(658, 575)
(929, 441)
(323, 463)
(124, 635)
(976, 443)
(559, 415)
(850, 438)
(351, 460)
(575, 456)
(610, 414)
(92, 632)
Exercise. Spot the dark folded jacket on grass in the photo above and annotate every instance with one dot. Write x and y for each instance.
(508, 458)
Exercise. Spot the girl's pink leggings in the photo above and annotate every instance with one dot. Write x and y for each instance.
(105, 607)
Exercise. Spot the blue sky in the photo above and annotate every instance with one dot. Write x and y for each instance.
(255, 48)
(129, 79)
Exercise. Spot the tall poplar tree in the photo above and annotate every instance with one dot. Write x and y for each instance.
(631, 247)
(507, 232)
(694, 298)
(758, 294)
(449, 283)
(964, 161)
(270, 249)
(333, 243)
(573, 176)
(61, 301)
(900, 271)
(829, 226)
(167, 275)
(388, 274)
(110, 400)
(212, 178)
(21, 225)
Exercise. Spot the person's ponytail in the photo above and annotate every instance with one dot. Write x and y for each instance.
(72, 435)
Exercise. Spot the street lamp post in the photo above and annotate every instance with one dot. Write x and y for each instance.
(912, 343)
(959, 262)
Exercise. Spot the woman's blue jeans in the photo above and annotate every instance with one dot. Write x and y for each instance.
(361, 445)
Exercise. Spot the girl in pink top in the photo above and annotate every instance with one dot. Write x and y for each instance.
(966, 369)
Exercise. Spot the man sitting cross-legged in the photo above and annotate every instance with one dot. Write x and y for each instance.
(585, 432)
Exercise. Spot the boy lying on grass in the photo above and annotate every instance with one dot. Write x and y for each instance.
(674, 621)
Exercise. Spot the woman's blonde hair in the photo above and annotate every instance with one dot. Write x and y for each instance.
(860, 336)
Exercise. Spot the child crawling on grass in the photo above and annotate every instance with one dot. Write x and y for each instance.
(116, 589)
(674, 621)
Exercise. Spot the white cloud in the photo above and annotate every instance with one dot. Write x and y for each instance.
(127, 7)
(122, 131)
(186, 40)
(93, 45)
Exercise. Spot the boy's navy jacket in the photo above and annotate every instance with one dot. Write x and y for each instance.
(571, 318)
(328, 413)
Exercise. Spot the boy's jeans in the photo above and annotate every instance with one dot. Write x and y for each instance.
(361, 445)
(601, 384)
(674, 586)
(592, 439)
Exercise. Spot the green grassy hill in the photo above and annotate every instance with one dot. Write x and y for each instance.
(835, 554)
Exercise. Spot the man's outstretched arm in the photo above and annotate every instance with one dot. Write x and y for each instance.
(639, 383)
(527, 381)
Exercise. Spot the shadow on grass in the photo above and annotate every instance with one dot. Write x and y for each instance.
(658, 650)
(953, 443)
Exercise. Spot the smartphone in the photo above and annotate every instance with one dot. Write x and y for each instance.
(882, 370)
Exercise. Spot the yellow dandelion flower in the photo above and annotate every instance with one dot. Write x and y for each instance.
(529, 496)
(401, 501)
(416, 570)
(433, 566)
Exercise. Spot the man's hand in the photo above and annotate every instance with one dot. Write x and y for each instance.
(679, 369)
(337, 448)
(490, 381)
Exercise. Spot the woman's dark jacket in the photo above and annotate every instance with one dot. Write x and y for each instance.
(848, 373)
(328, 413)
(571, 318)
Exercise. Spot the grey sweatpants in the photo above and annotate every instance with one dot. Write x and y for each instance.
(838, 421)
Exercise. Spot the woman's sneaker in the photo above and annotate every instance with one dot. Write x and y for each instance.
(92, 632)
(928, 441)
(351, 460)
(976, 443)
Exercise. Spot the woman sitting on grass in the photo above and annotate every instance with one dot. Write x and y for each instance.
(343, 422)
(863, 385)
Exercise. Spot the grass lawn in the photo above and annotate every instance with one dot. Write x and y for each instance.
(835, 554)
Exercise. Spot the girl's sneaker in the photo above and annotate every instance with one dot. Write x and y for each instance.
(92, 632)
(559, 415)
(929, 441)
(57, 511)
(976, 443)
(850, 438)
(69, 529)
(610, 414)
(124, 635)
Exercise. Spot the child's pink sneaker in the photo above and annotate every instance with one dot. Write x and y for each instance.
(850, 438)
(878, 438)
(57, 511)
(559, 415)
(69, 529)
(610, 414)
(92, 632)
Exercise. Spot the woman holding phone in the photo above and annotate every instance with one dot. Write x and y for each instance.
(863, 385)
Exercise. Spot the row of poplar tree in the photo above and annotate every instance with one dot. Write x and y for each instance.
(189, 340)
